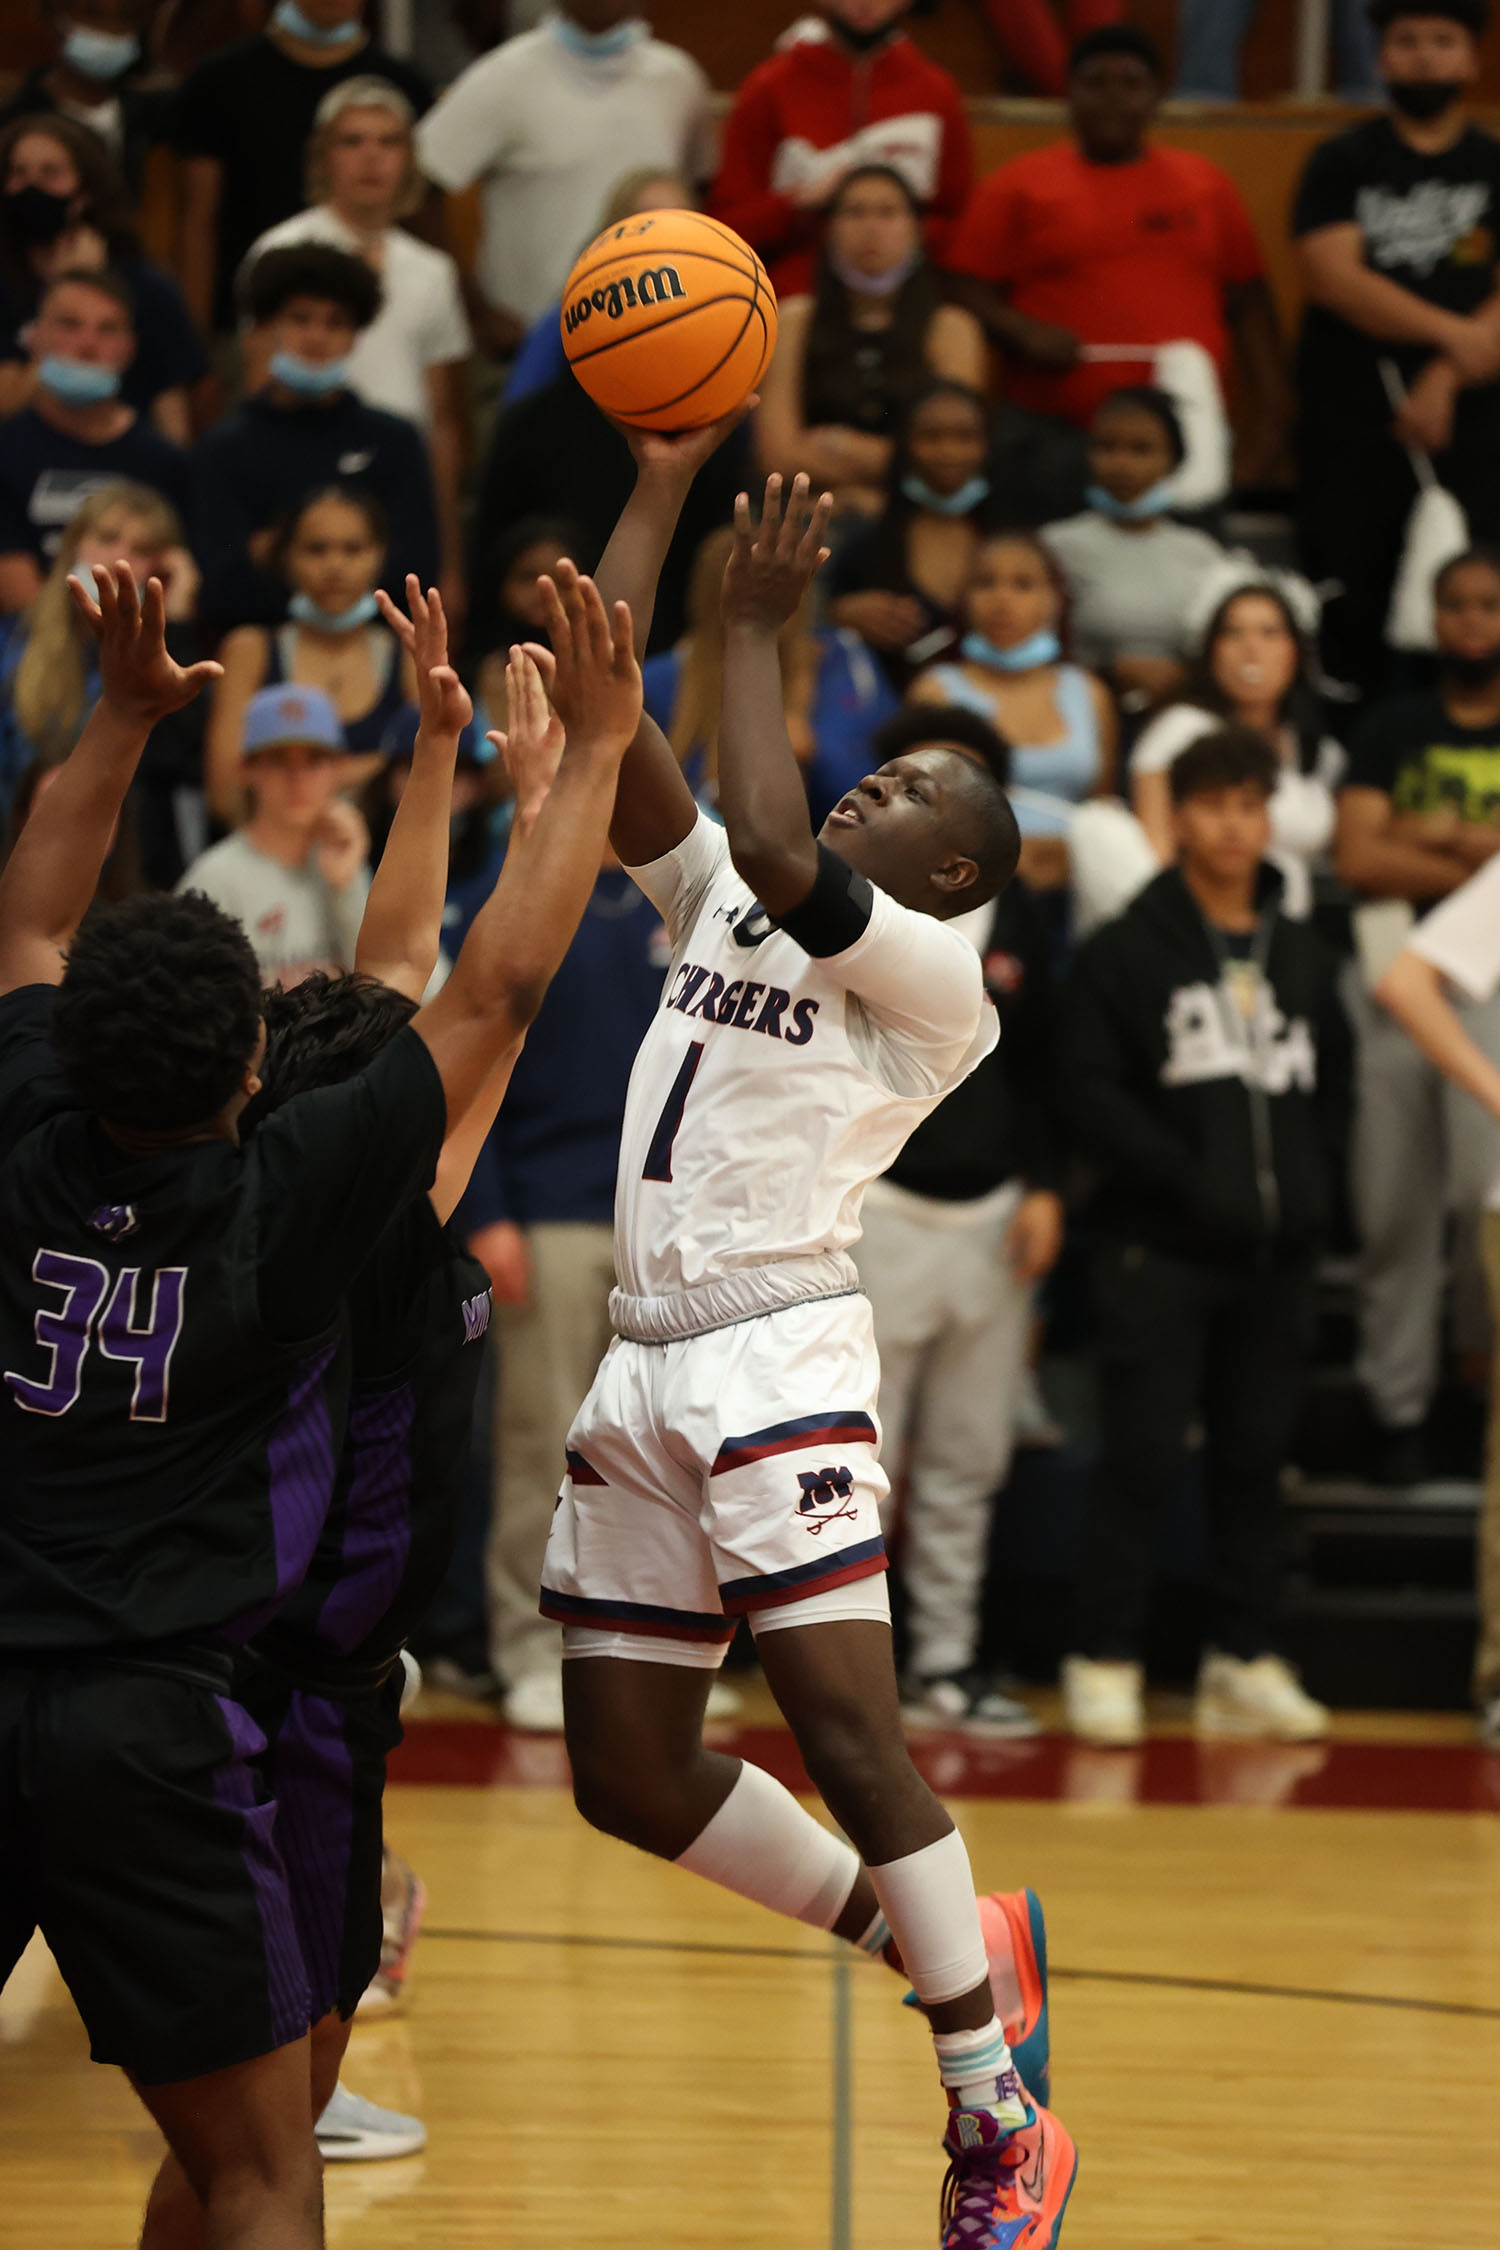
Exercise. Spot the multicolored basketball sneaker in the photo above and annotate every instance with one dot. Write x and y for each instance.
(1006, 2189)
(1015, 1931)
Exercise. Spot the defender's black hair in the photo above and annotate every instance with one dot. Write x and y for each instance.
(324, 1030)
(310, 269)
(158, 1012)
(1231, 758)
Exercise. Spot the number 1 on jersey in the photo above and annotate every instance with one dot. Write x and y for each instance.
(658, 1164)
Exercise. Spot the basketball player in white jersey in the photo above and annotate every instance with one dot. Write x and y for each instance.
(725, 1462)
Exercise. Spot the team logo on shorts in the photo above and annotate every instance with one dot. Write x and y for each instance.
(821, 1490)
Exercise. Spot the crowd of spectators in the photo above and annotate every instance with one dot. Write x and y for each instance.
(1236, 794)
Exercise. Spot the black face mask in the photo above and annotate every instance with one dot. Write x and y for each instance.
(1423, 99)
(1471, 671)
(36, 215)
(863, 42)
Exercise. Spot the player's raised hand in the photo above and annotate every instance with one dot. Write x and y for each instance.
(596, 681)
(444, 700)
(678, 455)
(141, 682)
(533, 741)
(770, 569)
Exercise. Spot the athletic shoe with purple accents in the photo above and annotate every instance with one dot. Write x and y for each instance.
(1007, 2189)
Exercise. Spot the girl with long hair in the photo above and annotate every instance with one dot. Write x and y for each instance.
(1058, 718)
(330, 552)
(850, 358)
(64, 209)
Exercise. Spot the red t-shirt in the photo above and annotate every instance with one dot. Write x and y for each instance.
(1120, 253)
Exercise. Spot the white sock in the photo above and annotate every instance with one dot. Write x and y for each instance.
(762, 1845)
(976, 2068)
(928, 1899)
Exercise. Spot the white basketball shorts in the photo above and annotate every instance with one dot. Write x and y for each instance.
(732, 1475)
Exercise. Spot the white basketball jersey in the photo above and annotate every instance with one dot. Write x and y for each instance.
(772, 1087)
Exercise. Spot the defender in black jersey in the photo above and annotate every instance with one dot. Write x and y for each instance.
(173, 1388)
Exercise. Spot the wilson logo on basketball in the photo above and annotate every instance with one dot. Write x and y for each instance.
(653, 287)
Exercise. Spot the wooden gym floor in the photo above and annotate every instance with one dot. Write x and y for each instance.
(1276, 2000)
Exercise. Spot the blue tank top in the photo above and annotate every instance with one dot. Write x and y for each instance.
(367, 732)
(1047, 779)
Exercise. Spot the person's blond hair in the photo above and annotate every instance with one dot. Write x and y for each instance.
(367, 92)
(700, 680)
(621, 200)
(48, 692)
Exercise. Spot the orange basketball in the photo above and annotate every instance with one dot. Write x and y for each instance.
(669, 320)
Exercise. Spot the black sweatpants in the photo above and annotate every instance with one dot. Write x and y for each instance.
(1356, 490)
(1179, 1339)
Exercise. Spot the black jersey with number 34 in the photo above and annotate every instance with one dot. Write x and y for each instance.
(174, 1366)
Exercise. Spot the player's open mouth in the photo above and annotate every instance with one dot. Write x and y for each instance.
(846, 814)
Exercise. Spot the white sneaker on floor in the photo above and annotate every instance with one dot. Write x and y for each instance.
(353, 2131)
(534, 1704)
(1102, 1702)
(1256, 1697)
(724, 1701)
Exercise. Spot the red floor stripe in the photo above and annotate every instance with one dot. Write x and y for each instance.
(1370, 1776)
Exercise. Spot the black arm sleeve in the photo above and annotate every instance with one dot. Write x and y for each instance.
(835, 913)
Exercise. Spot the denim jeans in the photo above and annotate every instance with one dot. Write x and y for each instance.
(1212, 33)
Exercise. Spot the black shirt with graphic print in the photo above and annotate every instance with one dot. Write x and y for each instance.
(1429, 223)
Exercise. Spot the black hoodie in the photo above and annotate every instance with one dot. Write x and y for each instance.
(1211, 1101)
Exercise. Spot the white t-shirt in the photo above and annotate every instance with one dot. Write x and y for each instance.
(295, 922)
(421, 322)
(549, 133)
(773, 1086)
(1461, 939)
(1303, 809)
(1132, 591)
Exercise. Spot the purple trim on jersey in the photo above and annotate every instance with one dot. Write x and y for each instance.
(312, 1772)
(636, 1617)
(287, 1996)
(581, 1471)
(301, 1461)
(852, 1428)
(820, 1576)
(377, 1519)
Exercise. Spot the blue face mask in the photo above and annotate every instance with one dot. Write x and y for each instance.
(99, 54)
(1027, 656)
(288, 17)
(960, 503)
(77, 382)
(598, 46)
(1150, 504)
(305, 611)
(309, 378)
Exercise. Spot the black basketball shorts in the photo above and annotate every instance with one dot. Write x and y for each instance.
(136, 1832)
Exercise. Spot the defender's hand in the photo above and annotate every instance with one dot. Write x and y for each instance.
(141, 682)
(596, 681)
(533, 742)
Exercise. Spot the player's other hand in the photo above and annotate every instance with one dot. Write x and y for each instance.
(443, 698)
(595, 680)
(501, 1250)
(533, 742)
(342, 842)
(678, 455)
(768, 573)
(140, 682)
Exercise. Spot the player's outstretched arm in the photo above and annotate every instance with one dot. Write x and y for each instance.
(523, 930)
(654, 809)
(761, 794)
(403, 919)
(50, 877)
